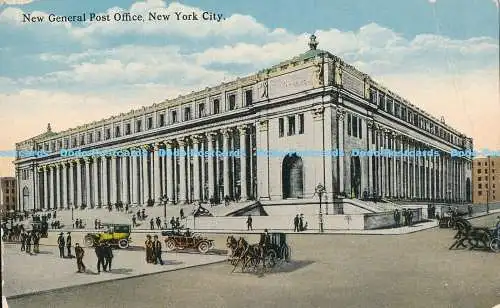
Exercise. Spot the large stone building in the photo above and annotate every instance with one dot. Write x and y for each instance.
(281, 119)
(486, 179)
(8, 194)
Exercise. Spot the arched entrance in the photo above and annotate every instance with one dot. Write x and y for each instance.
(467, 190)
(26, 198)
(293, 177)
(355, 177)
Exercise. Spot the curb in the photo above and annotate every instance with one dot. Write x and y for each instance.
(99, 282)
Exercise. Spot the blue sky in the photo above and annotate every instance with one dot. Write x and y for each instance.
(89, 71)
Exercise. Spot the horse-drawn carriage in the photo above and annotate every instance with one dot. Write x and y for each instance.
(250, 256)
(476, 237)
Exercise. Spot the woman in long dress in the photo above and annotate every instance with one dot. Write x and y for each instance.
(149, 249)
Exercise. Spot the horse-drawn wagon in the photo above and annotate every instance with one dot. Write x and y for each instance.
(251, 256)
(475, 237)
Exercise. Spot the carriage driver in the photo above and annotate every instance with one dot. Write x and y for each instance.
(264, 243)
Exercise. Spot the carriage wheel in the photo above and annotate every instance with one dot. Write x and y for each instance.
(270, 258)
(123, 243)
(286, 253)
(203, 247)
(170, 245)
(495, 245)
(89, 241)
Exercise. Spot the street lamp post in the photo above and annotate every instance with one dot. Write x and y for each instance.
(320, 190)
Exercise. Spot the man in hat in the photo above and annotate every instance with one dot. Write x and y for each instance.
(157, 250)
(79, 253)
(28, 242)
(99, 252)
(265, 241)
(68, 244)
(108, 256)
(60, 243)
(36, 242)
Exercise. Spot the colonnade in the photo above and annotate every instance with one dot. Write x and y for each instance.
(179, 169)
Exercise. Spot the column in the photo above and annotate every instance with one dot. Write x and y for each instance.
(211, 176)
(225, 149)
(243, 163)
(112, 181)
(394, 194)
(156, 173)
(104, 194)
(64, 199)
(415, 178)
(45, 187)
(57, 188)
(78, 183)
(169, 170)
(87, 182)
(125, 173)
(182, 171)
(71, 190)
(145, 176)
(378, 160)
(52, 188)
(134, 161)
(383, 163)
(95, 181)
(403, 183)
(196, 169)
(340, 129)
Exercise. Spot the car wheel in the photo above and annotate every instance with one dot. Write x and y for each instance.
(203, 247)
(271, 258)
(89, 241)
(123, 243)
(170, 245)
(495, 245)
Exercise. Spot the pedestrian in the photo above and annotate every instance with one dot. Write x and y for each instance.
(134, 222)
(264, 243)
(139, 214)
(99, 252)
(60, 243)
(177, 223)
(469, 210)
(405, 216)
(36, 242)
(157, 250)
(397, 217)
(181, 212)
(23, 241)
(149, 249)
(95, 223)
(296, 223)
(249, 223)
(151, 223)
(172, 223)
(158, 222)
(28, 242)
(410, 217)
(301, 222)
(79, 252)
(143, 214)
(108, 255)
(68, 244)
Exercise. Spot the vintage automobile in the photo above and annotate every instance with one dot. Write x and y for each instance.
(185, 239)
(115, 234)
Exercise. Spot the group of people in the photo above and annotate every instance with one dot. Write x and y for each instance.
(62, 243)
(407, 216)
(78, 224)
(299, 223)
(153, 250)
(28, 238)
(104, 254)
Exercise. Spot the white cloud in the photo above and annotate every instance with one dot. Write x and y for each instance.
(16, 2)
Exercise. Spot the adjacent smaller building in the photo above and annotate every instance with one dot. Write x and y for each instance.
(8, 194)
(486, 179)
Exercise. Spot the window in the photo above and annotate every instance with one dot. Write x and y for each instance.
(232, 102)
(98, 138)
(494, 186)
(117, 132)
(479, 178)
(479, 193)
(281, 125)
(479, 163)
(486, 171)
(486, 185)
(360, 133)
(187, 113)
(301, 123)
(492, 170)
(161, 120)
(107, 133)
(248, 97)
(216, 106)
(91, 137)
(201, 110)
(486, 178)
(478, 170)
(354, 126)
(138, 126)
(173, 115)
(349, 125)
(493, 177)
(381, 101)
(150, 122)
(82, 139)
(390, 106)
(7, 198)
(479, 185)
(66, 142)
(128, 129)
(373, 96)
(291, 125)
(403, 114)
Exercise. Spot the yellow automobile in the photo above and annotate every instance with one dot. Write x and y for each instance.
(115, 234)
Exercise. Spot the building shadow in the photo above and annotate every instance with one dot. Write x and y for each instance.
(280, 267)
(171, 262)
(123, 271)
(44, 253)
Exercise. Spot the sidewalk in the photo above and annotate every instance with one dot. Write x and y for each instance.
(31, 274)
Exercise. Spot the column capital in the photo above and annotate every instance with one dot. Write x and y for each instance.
(168, 144)
(181, 141)
(156, 146)
(263, 124)
(318, 111)
(242, 129)
(370, 124)
(197, 139)
(146, 147)
(63, 164)
(226, 132)
(340, 113)
(211, 135)
(77, 161)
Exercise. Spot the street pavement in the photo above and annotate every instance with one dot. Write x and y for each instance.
(24, 273)
(410, 270)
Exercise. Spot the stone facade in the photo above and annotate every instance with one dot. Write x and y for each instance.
(486, 179)
(280, 121)
(8, 194)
